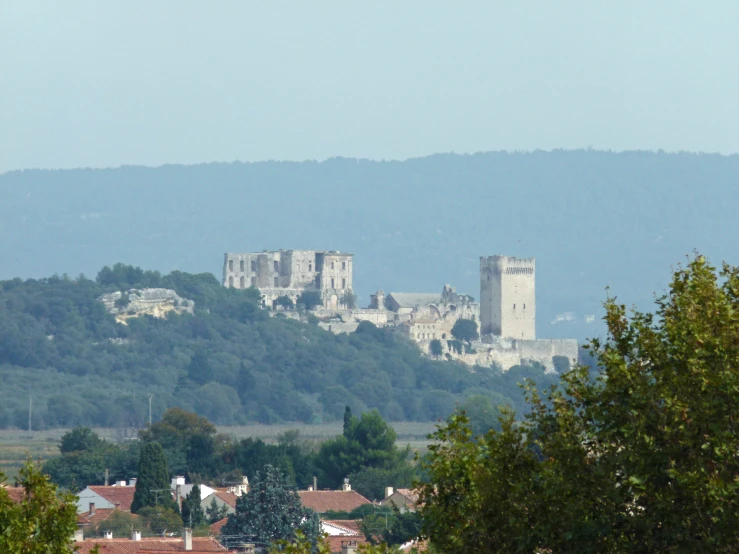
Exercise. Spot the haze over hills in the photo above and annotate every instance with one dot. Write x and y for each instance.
(592, 219)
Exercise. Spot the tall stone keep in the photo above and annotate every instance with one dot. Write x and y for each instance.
(508, 297)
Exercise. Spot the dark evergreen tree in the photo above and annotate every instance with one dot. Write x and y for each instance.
(192, 512)
(347, 420)
(199, 370)
(465, 329)
(245, 383)
(214, 512)
(271, 511)
(152, 485)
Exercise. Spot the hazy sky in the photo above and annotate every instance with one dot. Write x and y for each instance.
(98, 83)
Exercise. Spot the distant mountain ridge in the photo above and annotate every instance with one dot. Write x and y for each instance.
(591, 218)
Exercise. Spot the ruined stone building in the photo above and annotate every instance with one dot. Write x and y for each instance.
(289, 273)
(508, 297)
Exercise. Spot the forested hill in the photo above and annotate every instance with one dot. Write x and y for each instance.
(229, 361)
(591, 218)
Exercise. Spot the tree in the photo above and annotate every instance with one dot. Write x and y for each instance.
(199, 370)
(482, 413)
(214, 512)
(192, 512)
(39, 519)
(152, 484)
(285, 302)
(79, 439)
(435, 348)
(348, 420)
(465, 330)
(639, 458)
(161, 519)
(309, 299)
(349, 299)
(271, 511)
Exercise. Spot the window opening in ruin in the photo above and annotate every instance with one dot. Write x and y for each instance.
(253, 281)
(310, 266)
(230, 281)
(514, 306)
(277, 267)
(242, 265)
(332, 283)
(277, 282)
(332, 265)
(230, 265)
(343, 265)
(253, 265)
(241, 282)
(524, 306)
(343, 283)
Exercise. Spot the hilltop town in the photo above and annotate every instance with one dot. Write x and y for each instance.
(505, 314)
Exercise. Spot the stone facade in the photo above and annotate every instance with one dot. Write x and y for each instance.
(290, 272)
(137, 302)
(508, 297)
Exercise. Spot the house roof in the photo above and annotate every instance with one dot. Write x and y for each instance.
(351, 525)
(150, 545)
(334, 543)
(228, 497)
(337, 501)
(218, 525)
(16, 494)
(122, 497)
(99, 515)
(413, 299)
(410, 494)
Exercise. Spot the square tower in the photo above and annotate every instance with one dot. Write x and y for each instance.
(508, 297)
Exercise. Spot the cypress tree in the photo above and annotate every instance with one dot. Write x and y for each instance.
(153, 476)
(192, 512)
(347, 421)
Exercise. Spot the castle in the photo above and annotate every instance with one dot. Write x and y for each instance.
(506, 313)
(291, 272)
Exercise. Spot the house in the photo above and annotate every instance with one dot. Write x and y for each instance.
(344, 500)
(335, 527)
(405, 500)
(181, 490)
(215, 529)
(222, 498)
(344, 544)
(96, 497)
(16, 494)
(94, 516)
(150, 545)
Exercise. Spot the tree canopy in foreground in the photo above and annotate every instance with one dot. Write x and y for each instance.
(642, 458)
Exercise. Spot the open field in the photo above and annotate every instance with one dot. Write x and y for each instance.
(16, 445)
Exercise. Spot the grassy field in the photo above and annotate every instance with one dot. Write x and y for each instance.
(16, 445)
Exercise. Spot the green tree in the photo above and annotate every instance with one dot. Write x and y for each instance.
(41, 520)
(465, 330)
(309, 299)
(152, 485)
(349, 299)
(641, 458)
(161, 519)
(482, 413)
(271, 511)
(79, 439)
(192, 512)
(214, 512)
(199, 370)
(435, 348)
(348, 421)
(285, 302)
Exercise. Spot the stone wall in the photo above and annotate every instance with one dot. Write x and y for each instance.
(154, 302)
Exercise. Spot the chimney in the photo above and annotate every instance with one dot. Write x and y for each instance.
(120, 483)
(108, 534)
(135, 535)
(310, 488)
(187, 538)
(79, 535)
(92, 508)
(132, 482)
(346, 486)
(178, 495)
(315, 483)
(388, 492)
(348, 547)
(248, 548)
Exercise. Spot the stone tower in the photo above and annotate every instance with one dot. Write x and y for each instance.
(508, 297)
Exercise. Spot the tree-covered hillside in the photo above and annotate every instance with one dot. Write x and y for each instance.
(591, 218)
(229, 361)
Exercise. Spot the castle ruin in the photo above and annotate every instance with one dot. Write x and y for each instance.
(508, 297)
(291, 272)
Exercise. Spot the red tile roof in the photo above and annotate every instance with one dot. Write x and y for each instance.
(337, 501)
(334, 543)
(152, 545)
(228, 497)
(99, 515)
(218, 525)
(120, 496)
(16, 494)
(410, 494)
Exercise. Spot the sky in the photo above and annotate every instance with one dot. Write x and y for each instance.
(103, 84)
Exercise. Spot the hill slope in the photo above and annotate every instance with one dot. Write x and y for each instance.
(229, 361)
